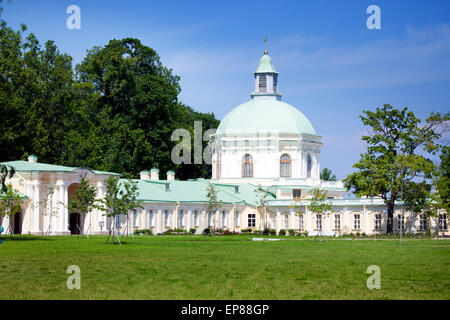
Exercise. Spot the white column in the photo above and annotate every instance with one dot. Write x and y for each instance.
(366, 217)
(189, 220)
(66, 209)
(60, 188)
(292, 226)
(218, 220)
(278, 221)
(159, 220)
(55, 210)
(36, 214)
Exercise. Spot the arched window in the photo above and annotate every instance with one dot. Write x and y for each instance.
(308, 165)
(285, 165)
(247, 166)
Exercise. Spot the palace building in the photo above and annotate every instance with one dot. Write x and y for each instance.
(262, 142)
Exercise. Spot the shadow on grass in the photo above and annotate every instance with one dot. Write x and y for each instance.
(19, 237)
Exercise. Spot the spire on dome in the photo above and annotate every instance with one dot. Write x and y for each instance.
(265, 41)
(266, 78)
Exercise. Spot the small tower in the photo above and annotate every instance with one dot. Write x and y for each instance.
(266, 79)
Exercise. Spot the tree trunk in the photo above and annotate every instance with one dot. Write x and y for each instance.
(390, 217)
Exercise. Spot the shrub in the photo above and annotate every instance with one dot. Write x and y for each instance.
(148, 232)
(282, 232)
(291, 232)
(207, 231)
(273, 232)
(180, 230)
(192, 230)
(266, 231)
(246, 230)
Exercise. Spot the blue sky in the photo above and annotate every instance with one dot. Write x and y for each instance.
(331, 65)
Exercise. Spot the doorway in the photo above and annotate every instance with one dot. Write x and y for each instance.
(74, 220)
(17, 223)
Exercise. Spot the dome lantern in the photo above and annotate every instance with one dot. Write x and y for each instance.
(266, 78)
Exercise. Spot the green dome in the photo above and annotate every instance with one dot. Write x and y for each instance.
(265, 65)
(264, 116)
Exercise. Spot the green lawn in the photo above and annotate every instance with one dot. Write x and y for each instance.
(227, 267)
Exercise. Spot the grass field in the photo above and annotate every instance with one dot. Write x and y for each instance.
(227, 267)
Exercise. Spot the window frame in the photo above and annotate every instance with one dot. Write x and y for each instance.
(356, 221)
(247, 166)
(285, 166)
(251, 220)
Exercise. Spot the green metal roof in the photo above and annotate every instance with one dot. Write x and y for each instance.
(266, 65)
(265, 116)
(26, 166)
(194, 192)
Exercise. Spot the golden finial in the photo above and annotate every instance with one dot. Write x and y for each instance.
(265, 41)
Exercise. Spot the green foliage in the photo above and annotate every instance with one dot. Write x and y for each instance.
(393, 163)
(282, 232)
(119, 199)
(6, 172)
(441, 196)
(327, 175)
(192, 230)
(291, 232)
(116, 112)
(147, 232)
(213, 202)
(319, 203)
(10, 202)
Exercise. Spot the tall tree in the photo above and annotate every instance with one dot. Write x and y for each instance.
(213, 203)
(262, 195)
(319, 205)
(327, 175)
(119, 200)
(393, 157)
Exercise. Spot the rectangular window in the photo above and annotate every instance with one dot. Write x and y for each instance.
(400, 222)
(166, 218)
(196, 218)
(135, 219)
(423, 225)
(181, 219)
(151, 218)
(442, 222)
(262, 83)
(252, 220)
(275, 83)
(224, 218)
(286, 221)
(118, 220)
(296, 194)
(300, 222)
(318, 221)
(356, 222)
(337, 222)
(236, 219)
(378, 222)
